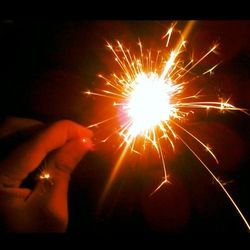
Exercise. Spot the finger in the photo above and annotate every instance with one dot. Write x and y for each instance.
(27, 157)
(14, 124)
(51, 194)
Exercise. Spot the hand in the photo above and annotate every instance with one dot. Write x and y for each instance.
(44, 208)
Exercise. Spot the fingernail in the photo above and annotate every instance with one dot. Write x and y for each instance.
(88, 143)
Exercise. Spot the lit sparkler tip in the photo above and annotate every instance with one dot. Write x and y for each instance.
(92, 125)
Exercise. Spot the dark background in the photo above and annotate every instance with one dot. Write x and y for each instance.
(46, 64)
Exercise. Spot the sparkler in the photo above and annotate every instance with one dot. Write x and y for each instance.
(151, 95)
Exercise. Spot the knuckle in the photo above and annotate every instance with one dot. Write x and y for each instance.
(64, 123)
(64, 166)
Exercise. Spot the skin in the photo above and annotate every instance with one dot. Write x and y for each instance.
(43, 208)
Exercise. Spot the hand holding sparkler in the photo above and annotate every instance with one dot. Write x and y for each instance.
(44, 207)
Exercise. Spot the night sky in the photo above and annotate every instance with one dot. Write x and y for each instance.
(45, 65)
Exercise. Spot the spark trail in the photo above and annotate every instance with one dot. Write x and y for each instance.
(151, 90)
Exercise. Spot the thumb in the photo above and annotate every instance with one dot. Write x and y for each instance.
(52, 194)
(64, 160)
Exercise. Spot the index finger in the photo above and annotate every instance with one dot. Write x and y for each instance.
(27, 157)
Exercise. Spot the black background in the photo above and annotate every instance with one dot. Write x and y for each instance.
(46, 64)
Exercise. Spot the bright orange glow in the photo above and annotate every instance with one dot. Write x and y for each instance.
(149, 103)
(152, 90)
